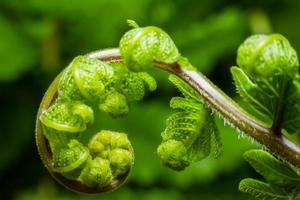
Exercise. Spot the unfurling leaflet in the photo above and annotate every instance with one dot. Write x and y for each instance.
(282, 179)
(190, 133)
(85, 84)
(268, 79)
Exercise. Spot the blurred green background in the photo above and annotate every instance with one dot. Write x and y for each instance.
(38, 39)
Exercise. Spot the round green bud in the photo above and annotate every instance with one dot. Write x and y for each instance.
(115, 147)
(104, 141)
(263, 56)
(104, 154)
(173, 154)
(97, 173)
(120, 160)
(141, 46)
(115, 105)
(100, 143)
(96, 147)
(120, 140)
(104, 137)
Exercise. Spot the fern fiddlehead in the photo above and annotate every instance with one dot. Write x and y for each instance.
(187, 138)
(105, 161)
(190, 133)
(267, 78)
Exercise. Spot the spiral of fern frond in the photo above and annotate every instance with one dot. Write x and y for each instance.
(268, 79)
(84, 83)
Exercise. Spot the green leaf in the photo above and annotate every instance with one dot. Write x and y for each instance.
(184, 88)
(202, 145)
(273, 170)
(291, 119)
(268, 79)
(216, 143)
(250, 92)
(192, 126)
(261, 190)
(67, 116)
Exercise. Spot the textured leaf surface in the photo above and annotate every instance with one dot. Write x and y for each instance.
(291, 118)
(251, 93)
(273, 170)
(268, 79)
(261, 190)
(192, 126)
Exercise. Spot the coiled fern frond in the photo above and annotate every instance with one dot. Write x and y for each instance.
(191, 133)
(84, 84)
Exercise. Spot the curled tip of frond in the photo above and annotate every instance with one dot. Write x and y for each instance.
(132, 23)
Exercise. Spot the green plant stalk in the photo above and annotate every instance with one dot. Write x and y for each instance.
(229, 110)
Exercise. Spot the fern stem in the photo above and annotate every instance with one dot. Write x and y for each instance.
(229, 110)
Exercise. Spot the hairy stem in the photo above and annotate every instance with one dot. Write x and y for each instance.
(224, 105)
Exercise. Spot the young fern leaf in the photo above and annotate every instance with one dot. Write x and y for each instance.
(190, 132)
(262, 191)
(268, 79)
(184, 88)
(250, 92)
(291, 118)
(216, 143)
(282, 179)
(273, 170)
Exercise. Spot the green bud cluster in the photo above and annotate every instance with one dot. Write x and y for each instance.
(114, 147)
